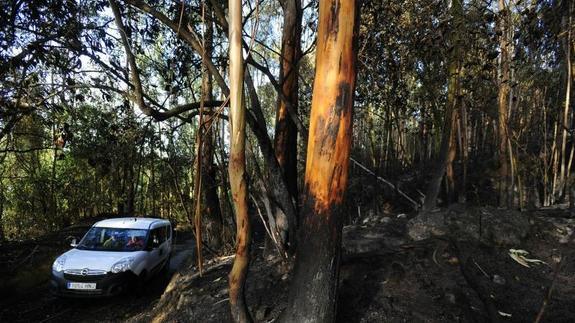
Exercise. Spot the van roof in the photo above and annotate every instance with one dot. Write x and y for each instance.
(130, 223)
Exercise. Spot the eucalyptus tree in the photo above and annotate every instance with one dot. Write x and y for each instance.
(313, 290)
(237, 166)
(447, 149)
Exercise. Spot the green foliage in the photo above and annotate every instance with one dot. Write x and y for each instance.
(64, 71)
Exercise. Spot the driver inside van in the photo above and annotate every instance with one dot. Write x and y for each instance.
(112, 242)
(135, 243)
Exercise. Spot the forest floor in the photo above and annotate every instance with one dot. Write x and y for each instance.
(464, 272)
(457, 269)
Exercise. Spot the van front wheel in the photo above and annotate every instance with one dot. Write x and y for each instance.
(166, 267)
(141, 281)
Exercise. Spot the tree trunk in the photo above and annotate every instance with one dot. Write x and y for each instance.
(211, 201)
(571, 188)
(464, 144)
(313, 291)
(237, 166)
(503, 102)
(285, 140)
(205, 190)
(567, 21)
(453, 93)
(450, 172)
(275, 181)
(2, 198)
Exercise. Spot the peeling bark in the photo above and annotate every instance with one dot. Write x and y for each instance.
(313, 292)
(237, 167)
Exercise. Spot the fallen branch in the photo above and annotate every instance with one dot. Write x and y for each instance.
(268, 230)
(415, 205)
(221, 262)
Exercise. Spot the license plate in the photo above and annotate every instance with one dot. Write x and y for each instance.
(82, 286)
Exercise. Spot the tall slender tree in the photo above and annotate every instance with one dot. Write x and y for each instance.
(285, 139)
(503, 103)
(447, 149)
(237, 166)
(210, 199)
(567, 22)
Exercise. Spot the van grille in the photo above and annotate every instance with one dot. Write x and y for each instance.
(84, 275)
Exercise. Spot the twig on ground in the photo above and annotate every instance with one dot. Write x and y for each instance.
(221, 301)
(481, 269)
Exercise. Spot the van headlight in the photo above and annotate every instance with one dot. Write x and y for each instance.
(58, 265)
(122, 265)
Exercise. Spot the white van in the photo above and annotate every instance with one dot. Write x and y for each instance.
(113, 254)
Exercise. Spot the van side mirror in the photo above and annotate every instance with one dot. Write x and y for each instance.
(73, 244)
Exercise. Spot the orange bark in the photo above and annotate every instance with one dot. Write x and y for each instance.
(330, 121)
(314, 286)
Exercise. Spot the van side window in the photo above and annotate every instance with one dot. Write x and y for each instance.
(168, 232)
(159, 235)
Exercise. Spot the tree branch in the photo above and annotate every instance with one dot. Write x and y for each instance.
(188, 36)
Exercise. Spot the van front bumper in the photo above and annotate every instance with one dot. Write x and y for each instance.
(108, 284)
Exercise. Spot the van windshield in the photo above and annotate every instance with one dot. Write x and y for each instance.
(113, 239)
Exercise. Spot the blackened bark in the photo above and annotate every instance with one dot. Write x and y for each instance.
(313, 291)
(285, 140)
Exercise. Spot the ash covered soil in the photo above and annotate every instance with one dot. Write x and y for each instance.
(451, 266)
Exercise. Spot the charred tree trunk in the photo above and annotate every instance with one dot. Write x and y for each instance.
(285, 140)
(453, 99)
(237, 166)
(313, 291)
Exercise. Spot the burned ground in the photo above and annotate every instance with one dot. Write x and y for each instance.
(386, 276)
